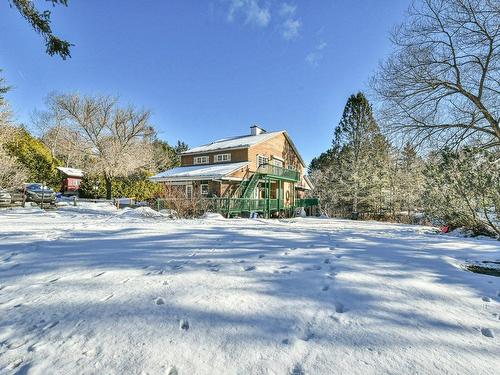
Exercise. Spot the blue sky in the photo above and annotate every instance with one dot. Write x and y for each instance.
(208, 69)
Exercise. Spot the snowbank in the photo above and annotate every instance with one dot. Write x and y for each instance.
(103, 208)
(212, 216)
(141, 212)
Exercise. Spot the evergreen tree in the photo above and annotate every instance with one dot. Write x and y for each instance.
(166, 156)
(41, 23)
(462, 189)
(33, 156)
(360, 151)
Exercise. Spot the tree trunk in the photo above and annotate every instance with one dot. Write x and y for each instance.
(109, 187)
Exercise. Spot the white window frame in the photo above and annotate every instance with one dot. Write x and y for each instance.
(221, 158)
(205, 159)
(262, 157)
(189, 191)
(201, 190)
(277, 162)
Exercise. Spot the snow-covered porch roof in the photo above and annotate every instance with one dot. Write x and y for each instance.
(199, 172)
(73, 172)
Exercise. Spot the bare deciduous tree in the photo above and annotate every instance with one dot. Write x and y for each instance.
(64, 141)
(117, 139)
(442, 83)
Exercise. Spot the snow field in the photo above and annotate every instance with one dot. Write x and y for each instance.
(92, 290)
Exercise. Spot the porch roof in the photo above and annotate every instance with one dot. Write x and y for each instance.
(199, 172)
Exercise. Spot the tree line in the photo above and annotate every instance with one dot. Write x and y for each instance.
(116, 146)
(439, 96)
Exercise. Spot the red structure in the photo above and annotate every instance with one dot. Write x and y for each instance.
(70, 184)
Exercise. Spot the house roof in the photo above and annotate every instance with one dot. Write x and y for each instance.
(73, 172)
(243, 141)
(233, 142)
(199, 172)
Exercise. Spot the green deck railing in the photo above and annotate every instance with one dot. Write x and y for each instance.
(231, 206)
(278, 172)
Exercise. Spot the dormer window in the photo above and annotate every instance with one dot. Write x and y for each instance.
(201, 160)
(220, 158)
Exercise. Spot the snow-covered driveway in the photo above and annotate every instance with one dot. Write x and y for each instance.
(101, 292)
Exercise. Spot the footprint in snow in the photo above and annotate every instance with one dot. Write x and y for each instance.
(339, 308)
(486, 299)
(487, 332)
(325, 288)
(248, 268)
(213, 267)
(314, 267)
(327, 261)
(261, 256)
(159, 301)
(331, 275)
(297, 370)
(183, 325)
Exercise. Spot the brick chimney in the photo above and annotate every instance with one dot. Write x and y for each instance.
(256, 130)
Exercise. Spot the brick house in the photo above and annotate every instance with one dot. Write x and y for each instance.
(262, 171)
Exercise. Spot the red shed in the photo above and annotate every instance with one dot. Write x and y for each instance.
(72, 178)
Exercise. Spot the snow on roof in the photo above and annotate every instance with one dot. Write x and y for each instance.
(198, 172)
(71, 171)
(234, 142)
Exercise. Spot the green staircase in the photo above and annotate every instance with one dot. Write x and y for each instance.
(250, 186)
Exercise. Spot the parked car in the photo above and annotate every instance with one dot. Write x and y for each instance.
(5, 198)
(36, 192)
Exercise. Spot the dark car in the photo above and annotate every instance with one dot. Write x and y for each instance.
(37, 192)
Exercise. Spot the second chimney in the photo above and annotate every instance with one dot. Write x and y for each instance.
(256, 130)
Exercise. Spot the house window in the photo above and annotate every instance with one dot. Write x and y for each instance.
(189, 191)
(222, 158)
(204, 189)
(278, 163)
(261, 160)
(201, 160)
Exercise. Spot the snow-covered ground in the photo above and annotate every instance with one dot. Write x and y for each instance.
(92, 290)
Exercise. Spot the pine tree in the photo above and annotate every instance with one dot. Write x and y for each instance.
(353, 174)
(360, 150)
(41, 23)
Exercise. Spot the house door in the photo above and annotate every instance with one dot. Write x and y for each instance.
(189, 191)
